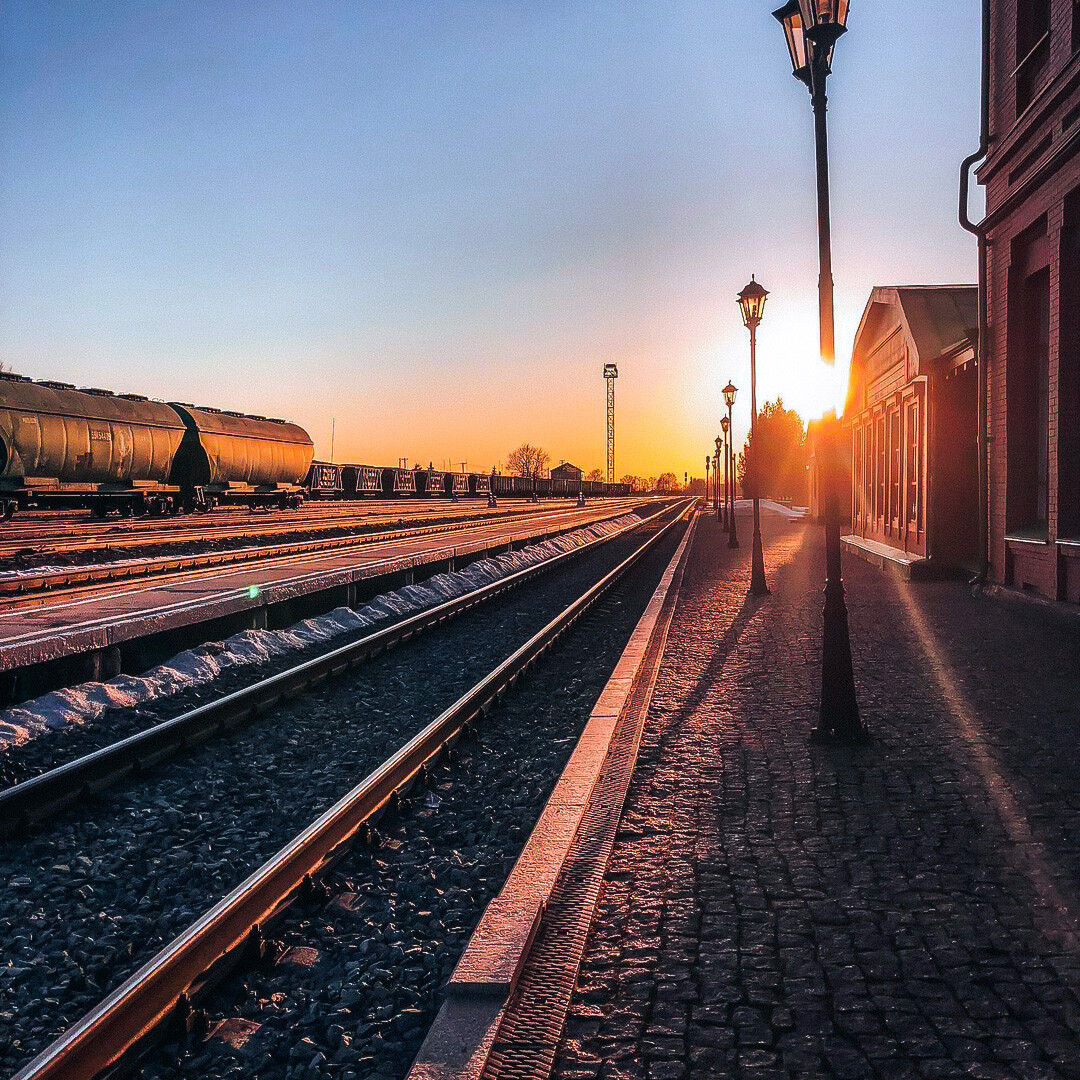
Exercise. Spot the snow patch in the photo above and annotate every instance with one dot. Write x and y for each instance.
(85, 703)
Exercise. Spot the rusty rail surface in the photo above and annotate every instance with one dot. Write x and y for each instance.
(41, 797)
(18, 584)
(198, 957)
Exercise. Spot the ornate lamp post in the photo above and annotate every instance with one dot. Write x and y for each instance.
(719, 444)
(812, 28)
(708, 462)
(725, 426)
(729, 393)
(752, 304)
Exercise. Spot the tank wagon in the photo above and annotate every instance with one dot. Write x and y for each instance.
(92, 449)
(232, 457)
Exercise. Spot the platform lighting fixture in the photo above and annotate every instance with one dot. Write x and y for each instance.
(720, 447)
(752, 305)
(728, 425)
(811, 29)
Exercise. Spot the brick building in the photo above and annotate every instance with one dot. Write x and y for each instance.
(1031, 231)
(911, 413)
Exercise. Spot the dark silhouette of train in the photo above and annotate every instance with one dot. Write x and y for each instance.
(68, 448)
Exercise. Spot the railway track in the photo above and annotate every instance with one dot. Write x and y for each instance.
(39, 797)
(26, 583)
(236, 925)
(64, 537)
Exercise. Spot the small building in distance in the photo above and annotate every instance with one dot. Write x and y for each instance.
(566, 471)
(912, 416)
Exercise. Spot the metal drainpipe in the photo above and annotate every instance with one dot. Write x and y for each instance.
(982, 347)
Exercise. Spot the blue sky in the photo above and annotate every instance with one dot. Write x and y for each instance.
(435, 221)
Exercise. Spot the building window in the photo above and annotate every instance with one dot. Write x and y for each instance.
(1032, 49)
(913, 466)
(1068, 405)
(879, 509)
(863, 487)
(894, 469)
(1028, 399)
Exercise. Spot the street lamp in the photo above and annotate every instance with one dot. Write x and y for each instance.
(718, 443)
(725, 425)
(729, 392)
(708, 462)
(812, 28)
(752, 304)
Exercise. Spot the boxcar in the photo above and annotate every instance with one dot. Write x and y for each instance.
(430, 482)
(399, 481)
(324, 481)
(360, 480)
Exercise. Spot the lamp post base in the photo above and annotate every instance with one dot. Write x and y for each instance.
(839, 723)
(758, 587)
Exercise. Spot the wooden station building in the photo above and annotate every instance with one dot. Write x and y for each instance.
(1031, 175)
(911, 413)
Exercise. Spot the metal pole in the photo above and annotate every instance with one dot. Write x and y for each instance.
(724, 522)
(721, 513)
(758, 587)
(733, 535)
(839, 720)
(706, 480)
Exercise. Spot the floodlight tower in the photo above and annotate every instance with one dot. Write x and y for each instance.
(611, 373)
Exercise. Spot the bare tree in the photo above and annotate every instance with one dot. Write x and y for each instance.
(596, 474)
(667, 482)
(527, 460)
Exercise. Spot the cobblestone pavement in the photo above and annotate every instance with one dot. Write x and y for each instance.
(776, 909)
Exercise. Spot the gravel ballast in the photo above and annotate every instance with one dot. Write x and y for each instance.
(103, 887)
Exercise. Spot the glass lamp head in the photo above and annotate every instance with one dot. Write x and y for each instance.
(790, 17)
(729, 392)
(725, 423)
(752, 303)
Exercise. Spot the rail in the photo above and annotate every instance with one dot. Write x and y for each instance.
(22, 582)
(41, 797)
(168, 982)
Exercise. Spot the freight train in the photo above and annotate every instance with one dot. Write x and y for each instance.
(68, 448)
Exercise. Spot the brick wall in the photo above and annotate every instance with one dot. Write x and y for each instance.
(1032, 166)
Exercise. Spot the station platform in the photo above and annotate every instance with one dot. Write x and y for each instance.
(769, 908)
(123, 617)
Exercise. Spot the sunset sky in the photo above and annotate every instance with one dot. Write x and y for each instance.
(436, 221)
